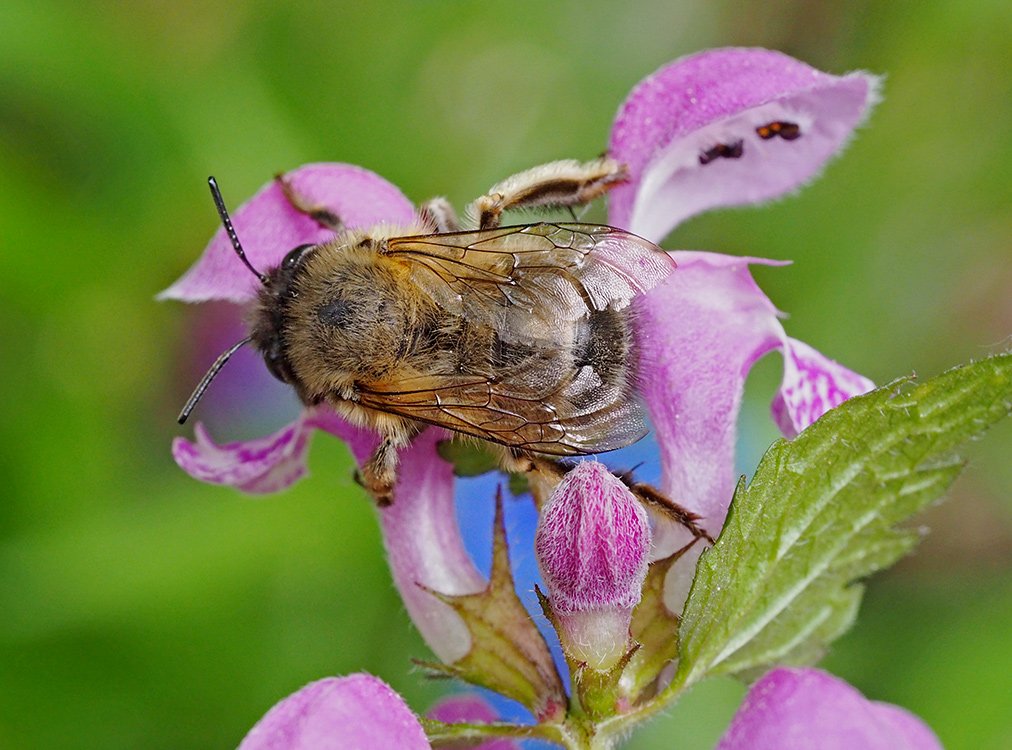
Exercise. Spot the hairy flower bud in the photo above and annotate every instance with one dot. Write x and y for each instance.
(592, 544)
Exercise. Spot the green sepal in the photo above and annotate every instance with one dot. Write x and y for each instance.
(508, 654)
(655, 628)
(461, 735)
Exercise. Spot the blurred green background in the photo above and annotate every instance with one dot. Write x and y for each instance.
(139, 608)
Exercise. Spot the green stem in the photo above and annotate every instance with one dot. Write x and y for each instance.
(579, 732)
(441, 734)
(622, 723)
(572, 735)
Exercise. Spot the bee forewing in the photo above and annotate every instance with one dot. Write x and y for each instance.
(557, 272)
(540, 420)
(620, 266)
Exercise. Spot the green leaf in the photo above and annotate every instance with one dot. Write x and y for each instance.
(822, 511)
(472, 459)
(469, 458)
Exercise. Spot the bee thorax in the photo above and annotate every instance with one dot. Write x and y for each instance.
(346, 324)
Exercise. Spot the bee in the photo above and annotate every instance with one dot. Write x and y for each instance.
(519, 336)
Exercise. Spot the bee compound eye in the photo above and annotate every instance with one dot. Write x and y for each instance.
(277, 365)
(273, 366)
(294, 256)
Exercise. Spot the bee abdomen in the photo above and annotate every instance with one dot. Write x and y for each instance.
(604, 345)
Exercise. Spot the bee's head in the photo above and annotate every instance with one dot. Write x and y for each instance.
(268, 322)
(267, 326)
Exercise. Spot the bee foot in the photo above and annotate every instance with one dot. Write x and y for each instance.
(382, 493)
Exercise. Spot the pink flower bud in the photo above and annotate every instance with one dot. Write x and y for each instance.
(592, 544)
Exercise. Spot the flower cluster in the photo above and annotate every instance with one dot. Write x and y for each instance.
(721, 128)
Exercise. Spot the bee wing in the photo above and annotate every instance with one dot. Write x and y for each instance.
(554, 273)
(548, 292)
(512, 414)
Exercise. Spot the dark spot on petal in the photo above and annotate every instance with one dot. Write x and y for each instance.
(723, 151)
(789, 131)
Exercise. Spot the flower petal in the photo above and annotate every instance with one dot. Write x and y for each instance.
(425, 547)
(812, 385)
(357, 711)
(472, 709)
(268, 227)
(263, 465)
(790, 709)
(267, 464)
(699, 334)
(690, 134)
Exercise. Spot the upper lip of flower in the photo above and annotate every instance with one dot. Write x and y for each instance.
(726, 97)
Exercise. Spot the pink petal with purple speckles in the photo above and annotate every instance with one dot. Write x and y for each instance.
(699, 334)
(337, 713)
(472, 709)
(797, 709)
(708, 107)
(269, 227)
(267, 464)
(263, 465)
(812, 385)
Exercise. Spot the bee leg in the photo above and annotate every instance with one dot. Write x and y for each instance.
(543, 474)
(379, 473)
(558, 184)
(317, 212)
(439, 214)
(654, 498)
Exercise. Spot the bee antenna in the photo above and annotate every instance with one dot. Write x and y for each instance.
(208, 377)
(219, 203)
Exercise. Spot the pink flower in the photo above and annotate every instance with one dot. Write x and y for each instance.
(721, 128)
(359, 712)
(699, 333)
(592, 544)
(796, 709)
(788, 709)
(420, 532)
